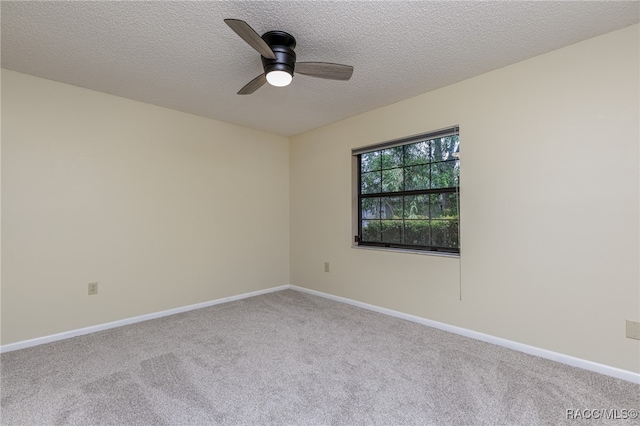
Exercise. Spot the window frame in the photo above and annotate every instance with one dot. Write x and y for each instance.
(359, 196)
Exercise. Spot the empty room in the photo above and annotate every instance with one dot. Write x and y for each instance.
(320, 212)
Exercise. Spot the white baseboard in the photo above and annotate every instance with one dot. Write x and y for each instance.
(521, 347)
(100, 327)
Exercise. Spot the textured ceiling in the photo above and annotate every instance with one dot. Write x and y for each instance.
(181, 55)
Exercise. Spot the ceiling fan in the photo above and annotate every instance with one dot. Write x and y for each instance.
(279, 59)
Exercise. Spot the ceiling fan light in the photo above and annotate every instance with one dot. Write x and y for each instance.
(279, 78)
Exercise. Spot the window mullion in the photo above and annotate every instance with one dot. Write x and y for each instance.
(380, 216)
(411, 192)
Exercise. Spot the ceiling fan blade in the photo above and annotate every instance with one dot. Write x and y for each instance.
(253, 85)
(251, 37)
(324, 70)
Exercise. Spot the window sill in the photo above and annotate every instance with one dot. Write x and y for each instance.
(400, 250)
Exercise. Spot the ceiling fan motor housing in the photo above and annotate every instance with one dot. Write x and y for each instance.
(282, 45)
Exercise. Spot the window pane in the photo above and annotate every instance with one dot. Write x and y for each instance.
(428, 220)
(391, 157)
(444, 175)
(392, 180)
(443, 206)
(417, 153)
(391, 231)
(416, 232)
(416, 177)
(444, 233)
(370, 182)
(371, 230)
(416, 207)
(370, 161)
(442, 148)
(391, 208)
(371, 208)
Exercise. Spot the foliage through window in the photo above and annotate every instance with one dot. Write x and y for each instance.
(408, 194)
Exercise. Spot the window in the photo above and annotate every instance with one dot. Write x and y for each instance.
(408, 193)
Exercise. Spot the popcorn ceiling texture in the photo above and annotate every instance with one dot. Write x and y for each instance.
(182, 56)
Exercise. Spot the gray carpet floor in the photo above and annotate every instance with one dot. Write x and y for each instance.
(292, 358)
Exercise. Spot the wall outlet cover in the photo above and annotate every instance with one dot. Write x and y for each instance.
(633, 330)
(93, 288)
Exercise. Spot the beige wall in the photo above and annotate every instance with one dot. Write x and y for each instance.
(162, 208)
(549, 204)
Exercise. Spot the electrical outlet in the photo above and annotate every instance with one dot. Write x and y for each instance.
(93, 288)
(326, 266)
(633, 330)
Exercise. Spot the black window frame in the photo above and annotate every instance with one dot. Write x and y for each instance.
(427, 137)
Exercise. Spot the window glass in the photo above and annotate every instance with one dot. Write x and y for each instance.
(408, 195)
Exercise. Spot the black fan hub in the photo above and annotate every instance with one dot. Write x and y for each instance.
(282, 45)
(279, 38)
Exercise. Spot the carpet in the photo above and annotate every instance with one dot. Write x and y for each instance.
(293, 358)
